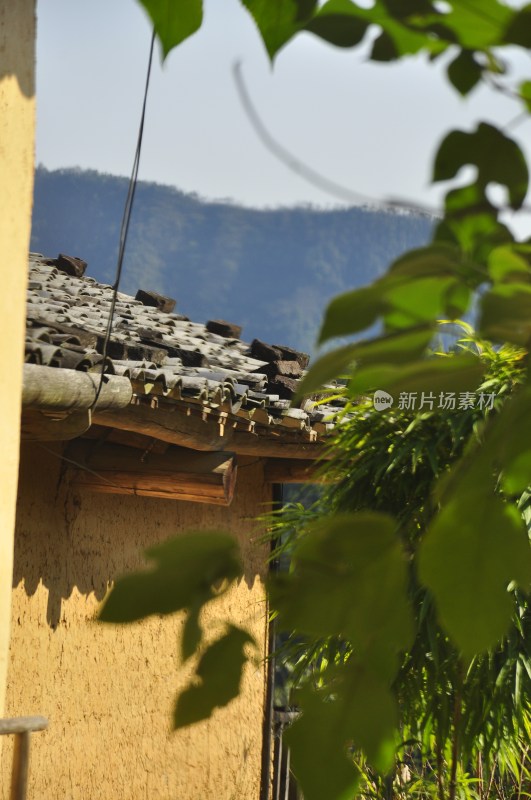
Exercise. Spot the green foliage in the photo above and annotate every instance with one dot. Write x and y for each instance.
(422, 620)
(403, 463)
(470, 555)
(174, 20)
(349, 579)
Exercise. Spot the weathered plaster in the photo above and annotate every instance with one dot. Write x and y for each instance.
(109, 690)
(17, 45)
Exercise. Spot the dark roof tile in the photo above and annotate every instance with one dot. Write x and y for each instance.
(162, 353)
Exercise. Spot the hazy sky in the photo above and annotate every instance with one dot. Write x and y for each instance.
(370, 127)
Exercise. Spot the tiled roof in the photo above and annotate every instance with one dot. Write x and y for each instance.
(162, 353)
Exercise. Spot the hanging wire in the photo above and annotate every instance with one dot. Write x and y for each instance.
(306, 172)
(124, 230)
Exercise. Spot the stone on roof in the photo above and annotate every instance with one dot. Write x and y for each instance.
(167, 358)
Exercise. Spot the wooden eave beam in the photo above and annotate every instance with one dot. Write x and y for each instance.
(178, 424)
(179, 474)
(50, 426)
(56, 389)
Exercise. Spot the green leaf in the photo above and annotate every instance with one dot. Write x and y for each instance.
(219, 671)
(437, 260)
(419, 287)
(517, 475)
(384, 48)
(497, 158)
(394, 348)
(186, 572)
(461, 373)
(339, 22)
(464, 72)
(361, 714)
(506, 264)
(350, 579)
(351, 312)
(519, 29)
(279, 20)
(328, 367)
(174, 20)
(477, 24)
(471, 553)
(416, 301)
(317, 742)
(505, 314)
(509, 443)
(400, 36)
(471, 221)
(457, 300)
(525, 89)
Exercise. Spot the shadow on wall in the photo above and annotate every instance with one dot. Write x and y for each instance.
(79, 543)
(17, 25)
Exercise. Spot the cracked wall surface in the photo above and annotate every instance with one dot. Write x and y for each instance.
(109, 690)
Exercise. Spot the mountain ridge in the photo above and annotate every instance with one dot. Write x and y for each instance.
(271, 271)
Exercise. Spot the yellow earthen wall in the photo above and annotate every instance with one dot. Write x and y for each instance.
(17, 111)
(109, 690)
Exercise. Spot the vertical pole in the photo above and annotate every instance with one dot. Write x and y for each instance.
(19, 781)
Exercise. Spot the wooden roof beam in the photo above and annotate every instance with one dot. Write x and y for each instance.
(177, 424)
(179, 474)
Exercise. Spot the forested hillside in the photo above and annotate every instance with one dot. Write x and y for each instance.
(271, 270)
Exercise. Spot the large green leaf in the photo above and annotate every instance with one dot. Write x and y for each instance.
(430, 376)
(329, 367)
(349, 579)
(392, 363)
(506, 263)
(352, 312)
(475, 547)
(420, 286)
(174, 20)
(508, 442)
(475, 24)
(219, 672)
(186, 572)
(434, 260)
(394, 349)
(497, 158)
(417, 301)
(471, 221)
(506, 313)
(361, 714)
(319, 758)
(519, 28)
(279, 20)
(398, 40)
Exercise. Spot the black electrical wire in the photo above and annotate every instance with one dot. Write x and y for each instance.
(124, 230)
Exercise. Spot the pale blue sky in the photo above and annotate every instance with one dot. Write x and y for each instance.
(370, 127)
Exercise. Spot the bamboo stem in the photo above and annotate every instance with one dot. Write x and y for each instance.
(456, 724)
